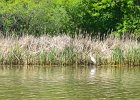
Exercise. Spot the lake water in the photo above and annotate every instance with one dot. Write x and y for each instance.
(69, 83)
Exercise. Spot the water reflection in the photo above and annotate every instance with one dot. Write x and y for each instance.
(93, 72)
(69, 83)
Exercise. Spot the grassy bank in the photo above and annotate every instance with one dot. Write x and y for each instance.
(29, 50)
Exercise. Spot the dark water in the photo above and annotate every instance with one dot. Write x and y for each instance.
(69, 83)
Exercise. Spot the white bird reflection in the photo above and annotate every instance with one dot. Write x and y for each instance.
(93, 72)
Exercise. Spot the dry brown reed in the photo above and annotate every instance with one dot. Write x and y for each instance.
(66, 50)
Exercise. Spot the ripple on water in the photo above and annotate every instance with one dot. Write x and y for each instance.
(70, 83)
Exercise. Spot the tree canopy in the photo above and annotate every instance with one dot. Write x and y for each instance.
(65, 16)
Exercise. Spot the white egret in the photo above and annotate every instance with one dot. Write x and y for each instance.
(92, 58)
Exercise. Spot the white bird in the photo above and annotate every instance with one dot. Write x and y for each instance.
(92, 58)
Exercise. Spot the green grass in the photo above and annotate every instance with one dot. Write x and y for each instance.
(52, 56)
(42, 57)
(14, 56)
(133, 56)
(118, 55)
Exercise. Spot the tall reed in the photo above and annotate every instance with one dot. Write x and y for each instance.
(29, 50)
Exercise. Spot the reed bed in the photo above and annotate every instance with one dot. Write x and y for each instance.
(64, 50)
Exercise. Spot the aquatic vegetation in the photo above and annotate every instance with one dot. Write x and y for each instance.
(42, 57)
(68, 56)
(117, 55)
(30, 50)
(14, 56)
(52, 55)
(1, 58)
(133, 56)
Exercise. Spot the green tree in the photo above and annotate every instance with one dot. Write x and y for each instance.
(105, 16)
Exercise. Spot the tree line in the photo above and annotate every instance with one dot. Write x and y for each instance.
(70, 17)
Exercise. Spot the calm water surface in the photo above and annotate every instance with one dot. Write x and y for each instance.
(69, 83)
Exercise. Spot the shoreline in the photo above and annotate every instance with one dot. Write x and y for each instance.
(64, 50)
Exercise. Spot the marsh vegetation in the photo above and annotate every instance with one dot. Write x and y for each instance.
(65, 31)
(61, 50)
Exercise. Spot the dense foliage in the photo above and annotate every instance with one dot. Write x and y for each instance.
(70, 16)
